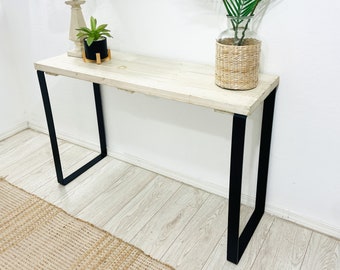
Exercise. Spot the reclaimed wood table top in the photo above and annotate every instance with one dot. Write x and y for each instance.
(175, 80)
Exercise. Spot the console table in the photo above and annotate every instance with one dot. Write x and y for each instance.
(183, 82)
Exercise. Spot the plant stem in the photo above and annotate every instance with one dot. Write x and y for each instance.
(240, 42)
(235, 24)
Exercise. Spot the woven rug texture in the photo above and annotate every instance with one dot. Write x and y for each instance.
(35, 234)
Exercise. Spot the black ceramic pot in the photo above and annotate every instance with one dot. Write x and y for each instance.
(98, 46)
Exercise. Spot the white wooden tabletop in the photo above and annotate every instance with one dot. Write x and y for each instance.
(174, 80)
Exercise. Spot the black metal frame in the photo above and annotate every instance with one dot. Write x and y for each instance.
(236, 244)
(53, 137)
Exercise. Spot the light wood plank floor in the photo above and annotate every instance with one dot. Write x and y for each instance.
(178, 224)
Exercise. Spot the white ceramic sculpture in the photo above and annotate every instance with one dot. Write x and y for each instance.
(77, 21)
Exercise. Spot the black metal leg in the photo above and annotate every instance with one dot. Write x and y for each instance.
(235, 185)
(53, 137)
(100, 118)
(237, 244)
(266, 136)
(50, 125)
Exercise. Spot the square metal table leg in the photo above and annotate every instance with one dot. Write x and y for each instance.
(237, 243)
(53, 137)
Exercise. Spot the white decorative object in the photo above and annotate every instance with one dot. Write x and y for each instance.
(77, 21)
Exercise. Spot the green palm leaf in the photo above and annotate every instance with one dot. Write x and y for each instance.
(238, 10)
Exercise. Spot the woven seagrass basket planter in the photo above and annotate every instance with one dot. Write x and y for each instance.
(237, 67)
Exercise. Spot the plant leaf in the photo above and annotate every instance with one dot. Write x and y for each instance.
(89, 40)
(93, 22)
(106, 34)
(240, 8)
(101, 27)
(84, 30)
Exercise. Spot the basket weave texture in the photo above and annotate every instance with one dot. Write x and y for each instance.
(237, 67)
(36, 235)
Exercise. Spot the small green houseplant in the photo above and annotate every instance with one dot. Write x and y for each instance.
(94, 39)
(237, 52)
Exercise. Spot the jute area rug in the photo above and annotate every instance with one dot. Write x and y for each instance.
(35, 234)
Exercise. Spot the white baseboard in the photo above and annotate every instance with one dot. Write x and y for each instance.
(316, 225)
(209, 187)
(66, 136)
(13, 130)
(38, 128)
(310, 223)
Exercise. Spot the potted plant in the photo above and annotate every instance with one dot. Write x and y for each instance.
(94, 39)
(237, 52)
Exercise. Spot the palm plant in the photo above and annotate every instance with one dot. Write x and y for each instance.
(94, 33)
(240, 12)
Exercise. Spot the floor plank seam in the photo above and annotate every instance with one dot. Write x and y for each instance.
(20, 160)
(54, 178)
(215, 247)
(263, 242)
(76, 213)
(38, 167)
(183, 229)
(126, 203)
(151, 217)
(304, 255)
